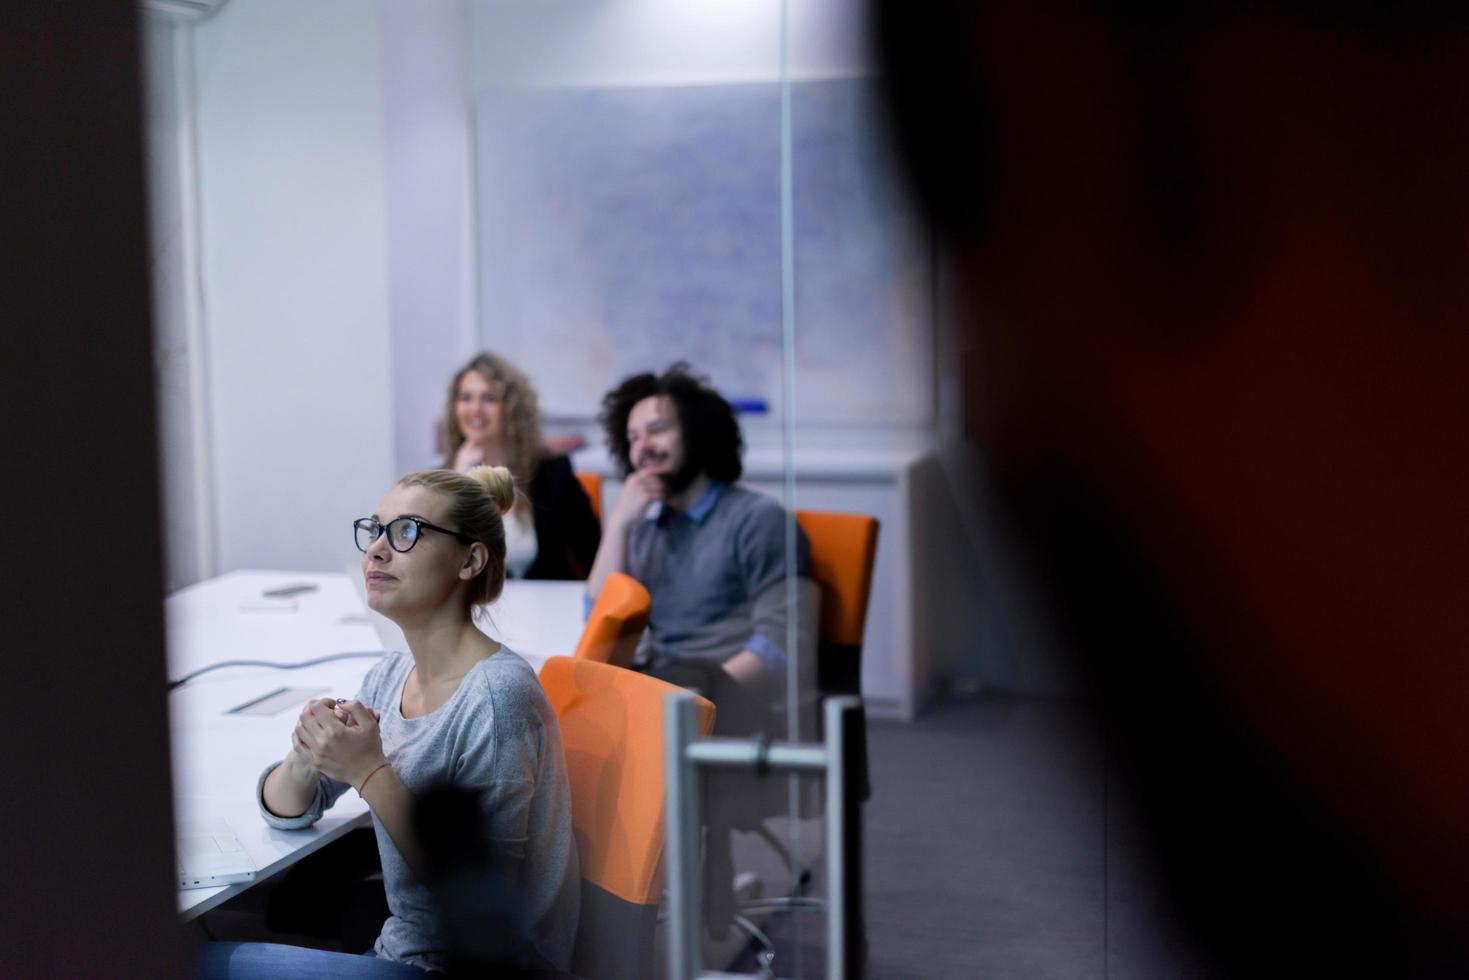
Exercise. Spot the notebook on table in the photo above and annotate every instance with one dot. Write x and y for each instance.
(208, 860)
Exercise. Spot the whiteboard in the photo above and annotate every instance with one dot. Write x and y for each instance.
(622, 229)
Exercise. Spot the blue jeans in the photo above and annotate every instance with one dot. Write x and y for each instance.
(274, 961)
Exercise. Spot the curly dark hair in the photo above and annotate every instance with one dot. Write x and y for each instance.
(712, 442)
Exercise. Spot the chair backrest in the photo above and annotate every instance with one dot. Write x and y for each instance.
(843, 549)
(591, 483)
(616, 622)
(611, 723)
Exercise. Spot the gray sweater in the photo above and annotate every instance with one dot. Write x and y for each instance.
(496, 736)
(716, 575)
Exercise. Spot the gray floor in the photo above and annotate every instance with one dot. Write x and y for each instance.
(994, 850)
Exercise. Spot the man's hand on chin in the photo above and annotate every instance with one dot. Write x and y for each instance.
(639, 490)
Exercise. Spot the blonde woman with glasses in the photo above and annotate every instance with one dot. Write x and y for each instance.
(457, 710)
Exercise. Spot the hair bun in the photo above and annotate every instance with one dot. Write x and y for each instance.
(498, 482)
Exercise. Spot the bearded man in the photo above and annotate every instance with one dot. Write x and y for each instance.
(710, 552)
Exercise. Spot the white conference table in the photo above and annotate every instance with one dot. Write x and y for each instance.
(217, 756)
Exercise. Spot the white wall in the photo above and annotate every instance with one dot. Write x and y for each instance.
(428, 166)
(295, 276)
(661, 42)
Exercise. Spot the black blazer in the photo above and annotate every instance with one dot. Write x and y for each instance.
(567, 532)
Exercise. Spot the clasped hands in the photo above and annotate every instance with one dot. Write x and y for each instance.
(338, 740)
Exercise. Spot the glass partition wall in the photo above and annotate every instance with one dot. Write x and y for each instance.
(633, 174)
(705, 182)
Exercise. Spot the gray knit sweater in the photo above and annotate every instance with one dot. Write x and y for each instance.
(496, 736)
(717, 576)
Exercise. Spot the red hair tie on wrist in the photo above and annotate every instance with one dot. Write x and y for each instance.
(380, 765)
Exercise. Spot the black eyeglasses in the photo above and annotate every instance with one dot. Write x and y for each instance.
(403, 532)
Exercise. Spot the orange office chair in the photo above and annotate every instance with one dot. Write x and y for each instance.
(611, 724)
(616, 622)
(591, 483)
(843, 549)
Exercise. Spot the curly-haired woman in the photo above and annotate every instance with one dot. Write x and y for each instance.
(492, 418)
